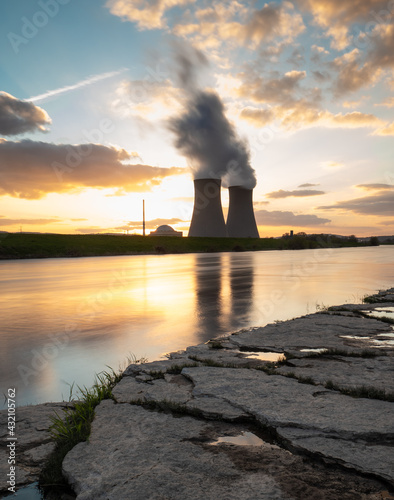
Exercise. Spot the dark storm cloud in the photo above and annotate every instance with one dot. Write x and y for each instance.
(18, 117)
(31, 169)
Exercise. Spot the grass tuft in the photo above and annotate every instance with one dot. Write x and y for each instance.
(73, 427)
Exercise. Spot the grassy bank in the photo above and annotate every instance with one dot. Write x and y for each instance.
(32, 246)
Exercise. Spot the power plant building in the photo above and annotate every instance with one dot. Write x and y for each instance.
(241, 222)
(207, 219)
(166, 231)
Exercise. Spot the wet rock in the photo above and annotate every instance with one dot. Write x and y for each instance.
(157, 456)
(376, 459)
(279, 402)
(312, 332)
(345, 372)
(33, 444)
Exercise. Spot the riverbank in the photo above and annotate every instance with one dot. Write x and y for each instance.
(220, 421)
(38, 246)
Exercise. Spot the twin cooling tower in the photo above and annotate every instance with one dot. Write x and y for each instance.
(207, 218)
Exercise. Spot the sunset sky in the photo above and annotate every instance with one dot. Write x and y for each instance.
(89, 88)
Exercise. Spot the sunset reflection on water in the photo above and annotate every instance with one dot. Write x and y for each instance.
(63, 320)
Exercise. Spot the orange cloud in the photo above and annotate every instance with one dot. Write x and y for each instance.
(147, 15)
(33, 169)
(298, 193)
(336, 16)
(285, 218)
(386, 130)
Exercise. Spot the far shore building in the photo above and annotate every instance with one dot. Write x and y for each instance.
(166, 231)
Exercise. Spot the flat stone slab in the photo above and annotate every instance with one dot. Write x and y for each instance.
(377, 459)
(346, 372)
(314, 331)
(33, 444)
(135, 453)
(150, 455)
(277, 402)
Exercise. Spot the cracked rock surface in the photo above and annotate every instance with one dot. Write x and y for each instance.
(33, 444)
(175, 428)
(158, 439)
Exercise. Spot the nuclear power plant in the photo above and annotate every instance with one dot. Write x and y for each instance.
(240, 219)
(207, 219)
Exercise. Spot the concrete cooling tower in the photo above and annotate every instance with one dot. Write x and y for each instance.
(207, 218)
(240, 219)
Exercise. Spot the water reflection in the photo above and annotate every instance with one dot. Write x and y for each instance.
(62, 320)
(241, 289)
(208, 286)
(224, 293)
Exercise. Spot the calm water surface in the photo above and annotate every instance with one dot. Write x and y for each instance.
(63, 320)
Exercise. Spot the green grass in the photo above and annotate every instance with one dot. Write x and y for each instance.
(20, 246)
(73, 427)
(25, 246)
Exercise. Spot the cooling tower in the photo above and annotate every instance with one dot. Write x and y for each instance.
(207, 218)
(240, 220)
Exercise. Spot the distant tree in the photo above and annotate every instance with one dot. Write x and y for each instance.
(352, 239)
(374, 241)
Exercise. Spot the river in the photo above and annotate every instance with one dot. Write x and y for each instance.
(63, 320)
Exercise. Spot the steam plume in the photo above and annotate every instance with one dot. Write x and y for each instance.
(203, 133)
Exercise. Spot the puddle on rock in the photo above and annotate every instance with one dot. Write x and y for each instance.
(320, 350)
(263, 356)
(354, 337)
(246, 438)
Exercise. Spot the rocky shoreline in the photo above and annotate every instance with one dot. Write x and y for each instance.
(219, 421)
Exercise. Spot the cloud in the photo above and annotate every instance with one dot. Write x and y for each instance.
(79, 220)
(273, 21)
(258, 117)
(386, 130)
(146, 14)
(388, 103)
(83, 83)
(336, 17)
(18, 117)
(234, 22)
(353, 74)
(11, 222)
(331, 164)
(280, 218)
(300, 193)
(279, 89)
(378, 204)
(301, 114)
(92, 230)
(31, 169)
(382, 53)
(374, 187)
(151, 224)
(307, 184)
